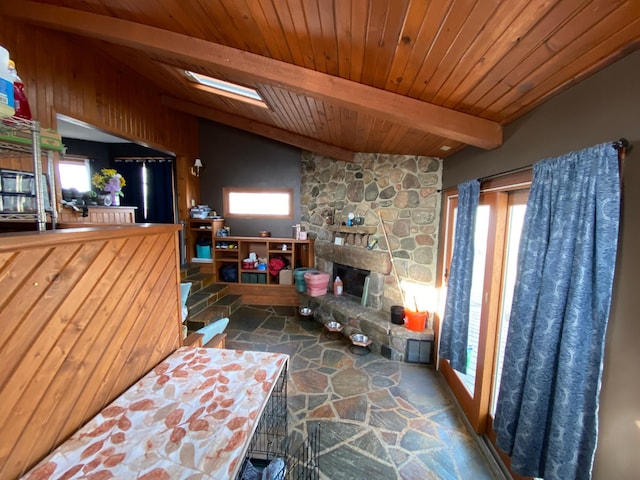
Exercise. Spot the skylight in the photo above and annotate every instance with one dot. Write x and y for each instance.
(227, 89)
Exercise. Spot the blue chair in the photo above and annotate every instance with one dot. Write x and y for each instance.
(185, 288)
(213, 329)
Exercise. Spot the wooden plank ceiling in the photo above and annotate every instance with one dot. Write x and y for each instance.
(342, 76)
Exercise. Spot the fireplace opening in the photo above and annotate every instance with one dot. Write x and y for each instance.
(352, 278)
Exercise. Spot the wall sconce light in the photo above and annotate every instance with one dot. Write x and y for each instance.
(197, 165)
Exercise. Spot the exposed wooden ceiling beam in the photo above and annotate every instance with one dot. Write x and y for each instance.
(258, 128)
(432, 119)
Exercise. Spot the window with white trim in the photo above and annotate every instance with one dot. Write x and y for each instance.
(257, 202)
(75, 172)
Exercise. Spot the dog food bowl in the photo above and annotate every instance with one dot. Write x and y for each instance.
(360, 340)
(333, 330)
(359, 344)
(305, 313)
(333, 326)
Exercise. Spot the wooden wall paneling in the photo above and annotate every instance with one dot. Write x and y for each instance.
(487, 58)
(419, 41)
(377, 14)
(266, 18)
(53, 347)
(299, 43)
(63, 76)
(289, 51)
(30, 310)
(501, 30)
(389, 35)
(595, 44)
(460, 50)
(154, 310)
(348, 125)
(106, 309)
(16, 162)
(342, 12)
(326, 17)
(358, 35)
(17, 270)
(492, 85)
(409, 45)
(132, 272)
(246, 34)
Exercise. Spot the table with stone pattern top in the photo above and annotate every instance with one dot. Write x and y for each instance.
(192, 416)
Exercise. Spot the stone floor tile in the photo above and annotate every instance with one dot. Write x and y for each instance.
(354, 408)
(350, 381)
(379, 418)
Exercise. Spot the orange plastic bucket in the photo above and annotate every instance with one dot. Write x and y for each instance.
(415, 321)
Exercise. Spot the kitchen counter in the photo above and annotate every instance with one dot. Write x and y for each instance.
(99, 214)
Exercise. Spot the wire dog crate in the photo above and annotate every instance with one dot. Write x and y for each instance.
(269, 447)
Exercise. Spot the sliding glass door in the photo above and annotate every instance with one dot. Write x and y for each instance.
(497, 236)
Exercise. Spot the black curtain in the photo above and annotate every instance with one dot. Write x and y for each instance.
(160, 190)
(131, 170)
(160, 208)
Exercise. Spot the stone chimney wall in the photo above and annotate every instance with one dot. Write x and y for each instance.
(402, 190)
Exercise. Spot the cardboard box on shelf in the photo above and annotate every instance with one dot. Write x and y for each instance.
(49, 139)
(285, 277)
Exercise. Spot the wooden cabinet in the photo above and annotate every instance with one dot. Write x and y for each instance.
(101, 215)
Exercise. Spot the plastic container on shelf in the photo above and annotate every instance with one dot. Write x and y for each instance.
(317, 283)
(397, 314)
(21, 102)
(298, 278)
(337, 286)
(7, 104)
(416, 321)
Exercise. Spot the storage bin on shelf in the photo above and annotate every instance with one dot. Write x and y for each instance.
(298, 277)
(317, 283)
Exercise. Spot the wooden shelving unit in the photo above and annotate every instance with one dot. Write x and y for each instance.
(22, 137)
(233, 250)
(202, 229)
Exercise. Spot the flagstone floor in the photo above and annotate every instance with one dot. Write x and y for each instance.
(379, 418)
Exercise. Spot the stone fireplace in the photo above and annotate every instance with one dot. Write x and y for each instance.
(400, 193)
(377, 263)
(355, 281)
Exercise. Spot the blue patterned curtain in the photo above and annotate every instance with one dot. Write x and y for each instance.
(455, 325)
(546, 417)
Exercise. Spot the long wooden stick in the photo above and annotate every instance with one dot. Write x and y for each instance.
(393, 264)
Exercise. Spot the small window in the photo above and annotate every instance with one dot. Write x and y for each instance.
(258, 202)
(75, 172)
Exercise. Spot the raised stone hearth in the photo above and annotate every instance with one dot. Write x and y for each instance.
(374, 323)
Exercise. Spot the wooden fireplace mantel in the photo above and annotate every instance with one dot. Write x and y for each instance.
(358, 235)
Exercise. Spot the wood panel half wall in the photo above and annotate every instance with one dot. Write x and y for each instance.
(84, 313)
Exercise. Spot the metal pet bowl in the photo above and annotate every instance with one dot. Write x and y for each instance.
(333, 326)
(360, 340)
(305, 312)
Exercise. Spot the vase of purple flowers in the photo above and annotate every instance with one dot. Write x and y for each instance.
(110, 182)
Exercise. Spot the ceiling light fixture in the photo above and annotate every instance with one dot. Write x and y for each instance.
(226, 89)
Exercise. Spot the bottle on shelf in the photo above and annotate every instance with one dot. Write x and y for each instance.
(6, 85)
(21, 102)
(337, 286)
